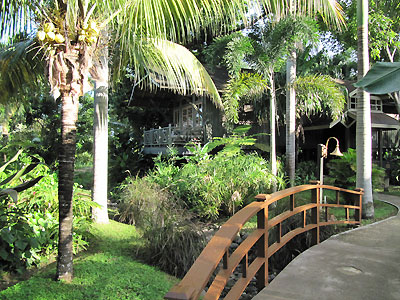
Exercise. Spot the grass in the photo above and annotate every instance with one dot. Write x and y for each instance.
(108, 270)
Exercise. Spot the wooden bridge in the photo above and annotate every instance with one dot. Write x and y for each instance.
(267, 239)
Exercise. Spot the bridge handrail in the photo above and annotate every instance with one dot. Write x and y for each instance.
(217, 249)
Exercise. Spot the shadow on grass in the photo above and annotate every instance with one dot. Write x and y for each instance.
(107, 271)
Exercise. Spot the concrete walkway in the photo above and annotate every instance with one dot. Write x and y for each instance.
(363, 263)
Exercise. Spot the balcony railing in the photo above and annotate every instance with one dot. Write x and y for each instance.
(171, 136)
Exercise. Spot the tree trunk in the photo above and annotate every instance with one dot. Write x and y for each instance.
(272, 116)
(100, 143)
(291, 117)
(69, 117)
(363, 134)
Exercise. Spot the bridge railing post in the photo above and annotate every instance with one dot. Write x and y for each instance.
(262, 248)
(358, 202)
(315, 198)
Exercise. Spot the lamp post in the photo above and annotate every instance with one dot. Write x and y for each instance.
(323, 153)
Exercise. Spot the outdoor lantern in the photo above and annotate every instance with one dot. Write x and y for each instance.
(335, 152)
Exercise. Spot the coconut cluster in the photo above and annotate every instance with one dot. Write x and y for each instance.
(89, 33)
(51, 36)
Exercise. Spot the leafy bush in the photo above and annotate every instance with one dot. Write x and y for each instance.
(29, 223)
(393, 158)
(342, 172)
(172, 241)
(306, 171)
(173, 247)
(211, 185)
(143, 203)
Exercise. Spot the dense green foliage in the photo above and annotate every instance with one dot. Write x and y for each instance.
(172, 239)
(342, 172)
(168, 202)
(29, 224)
(211, 185)
(105, 271)
(393, 158)
(306, 171)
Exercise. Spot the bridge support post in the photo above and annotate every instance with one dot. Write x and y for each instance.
(262, 248)
(315, 198)
(358, 202)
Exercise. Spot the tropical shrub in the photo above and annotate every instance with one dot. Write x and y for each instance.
(393, 158)
(144, 203)
(29, 222)
(172, 240)
(222, 183)
(342, 172)
(305, 171)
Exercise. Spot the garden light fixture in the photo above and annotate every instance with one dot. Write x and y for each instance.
(323, 153)
(335, 152)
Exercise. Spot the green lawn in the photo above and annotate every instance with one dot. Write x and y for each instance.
(107, 271)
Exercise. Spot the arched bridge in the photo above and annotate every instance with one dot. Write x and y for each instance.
(271, 234)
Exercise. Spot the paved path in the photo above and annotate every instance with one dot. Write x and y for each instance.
(363, 263)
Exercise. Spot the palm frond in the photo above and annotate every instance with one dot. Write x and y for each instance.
(330, 10)
(15, 17)
(245, 86)
(19, 66)
(176, 20)
(318, 95)
(171, 66)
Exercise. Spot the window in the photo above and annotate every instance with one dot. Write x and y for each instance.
(192, 116)
(376, 104)
(353, 103)
(199, 115)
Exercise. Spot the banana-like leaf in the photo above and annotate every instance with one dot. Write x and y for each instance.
(12, 193)
(10, 180)
(15, 157)
(382, 78)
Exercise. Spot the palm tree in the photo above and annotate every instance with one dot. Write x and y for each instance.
(331, 12)
(264, 50)
(363, 129)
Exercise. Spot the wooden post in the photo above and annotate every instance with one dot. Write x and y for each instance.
(262, 248)
(358, 203)
(169, 137)
(315, 216)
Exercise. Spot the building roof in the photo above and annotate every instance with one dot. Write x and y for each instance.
(379, 120)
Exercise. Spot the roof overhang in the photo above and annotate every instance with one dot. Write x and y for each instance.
(379, 120)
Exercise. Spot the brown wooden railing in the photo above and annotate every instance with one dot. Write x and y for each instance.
(196, 279)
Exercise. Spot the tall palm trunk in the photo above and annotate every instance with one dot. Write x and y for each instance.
(69, 69)
(291, 117)
(363, 130)
(272, 116)
(100, 143)
(69, 116)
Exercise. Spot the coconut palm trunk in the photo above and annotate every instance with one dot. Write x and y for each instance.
(291, 117)
(69, 116)
(363, 130)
